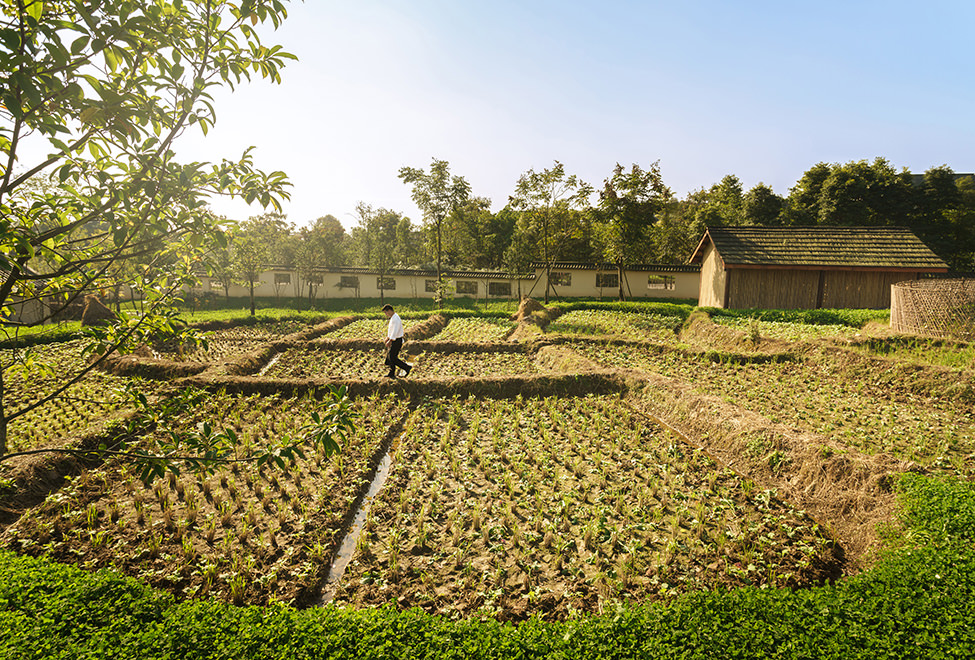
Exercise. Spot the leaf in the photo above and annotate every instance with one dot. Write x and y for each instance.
(111, 59)
(35, 9)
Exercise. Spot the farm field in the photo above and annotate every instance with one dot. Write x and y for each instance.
(363, 329)
(245, 533)
(872, 406)
(556, 505)
(625, 325)
(789, 330)
(86, 402)
(472, 329)
(232, 343)
(518, 507)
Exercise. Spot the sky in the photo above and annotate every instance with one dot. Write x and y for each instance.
(760, 89)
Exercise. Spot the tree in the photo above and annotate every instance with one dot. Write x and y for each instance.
(253, 248)
(437, 194)
(761, 206)
(378, 231)
(320, 246)
(628, 206)
(103, 89)
(802, 205)
(548, 199)
(866, 194)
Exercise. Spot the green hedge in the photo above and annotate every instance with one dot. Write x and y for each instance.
(917, 602)
(854, 318)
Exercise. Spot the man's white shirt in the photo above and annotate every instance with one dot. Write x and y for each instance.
(395, 328)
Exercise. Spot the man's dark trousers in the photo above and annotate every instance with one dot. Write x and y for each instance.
(393, 358)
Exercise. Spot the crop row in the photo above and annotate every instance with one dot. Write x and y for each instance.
(249, 533)
(472, 329)
(89, 400)
(549, 506)
(625, 325)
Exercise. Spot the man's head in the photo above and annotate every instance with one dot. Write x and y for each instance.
(388, 310)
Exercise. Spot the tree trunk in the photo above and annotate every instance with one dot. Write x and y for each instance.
(548, 264)
(253, 309)
(619, 279)
(440, 295)
(3, 418)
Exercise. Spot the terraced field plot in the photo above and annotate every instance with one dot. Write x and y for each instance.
(92, 399)
(470, 329)
(625, 325)
(311, 363)
(232, 342)
(788, 331)
(543, 506)
(363, 329)
(921, 350)
(249, 534)
(874, 405)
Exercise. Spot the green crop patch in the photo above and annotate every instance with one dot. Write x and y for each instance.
(872, 406)
(471, 329)
(611, 323)
(517, 507)
(249, 533)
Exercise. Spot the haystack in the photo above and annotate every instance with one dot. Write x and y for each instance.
(96, 313)
(527, 307)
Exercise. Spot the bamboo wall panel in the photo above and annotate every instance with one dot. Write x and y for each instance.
(860, 290)
(771, 289)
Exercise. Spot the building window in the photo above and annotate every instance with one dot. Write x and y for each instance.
(560, 279)
(386, 283)
(315, 279)
(467, 286)
(349, 282)
(499, 289)
(660, 282)
(430, 286)
(282, 278)
(607, 280)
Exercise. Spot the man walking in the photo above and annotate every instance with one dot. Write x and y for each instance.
(394, 342)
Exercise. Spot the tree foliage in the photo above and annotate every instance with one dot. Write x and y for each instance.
(628, 206)
(94, 95)
(437, 193)
(547, 200)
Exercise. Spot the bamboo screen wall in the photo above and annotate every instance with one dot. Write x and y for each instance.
(943, 308)
(859, 289)
(771, 289)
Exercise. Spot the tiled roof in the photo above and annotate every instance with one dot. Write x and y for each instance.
(414, 272)
(608, 267)
(830, 247)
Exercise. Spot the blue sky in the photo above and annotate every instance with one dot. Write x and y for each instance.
(762, 90)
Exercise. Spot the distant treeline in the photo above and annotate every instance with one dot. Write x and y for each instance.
(632, 218)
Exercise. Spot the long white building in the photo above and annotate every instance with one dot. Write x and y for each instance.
(569, 280)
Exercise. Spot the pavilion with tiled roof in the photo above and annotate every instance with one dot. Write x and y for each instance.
(808, 267)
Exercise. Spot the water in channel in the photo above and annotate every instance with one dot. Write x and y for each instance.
(347, 548)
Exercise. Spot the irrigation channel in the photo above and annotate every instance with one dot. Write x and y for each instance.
(270, 363)
(348, 545)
